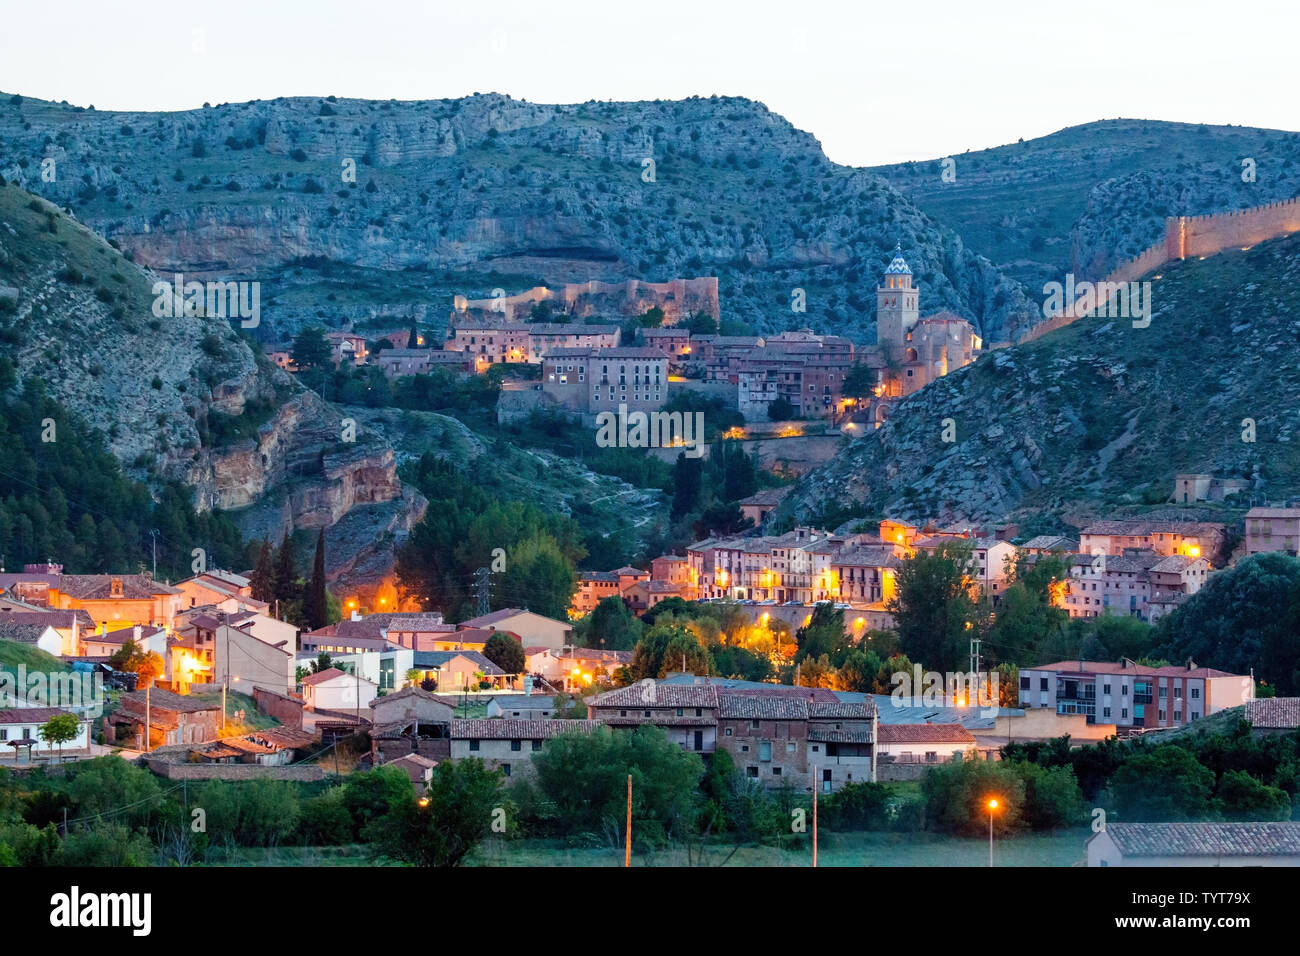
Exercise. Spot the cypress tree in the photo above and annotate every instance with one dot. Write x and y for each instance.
(316, 608)
(263, 579)
(286, 571)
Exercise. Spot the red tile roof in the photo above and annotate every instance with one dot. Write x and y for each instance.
(925, 734)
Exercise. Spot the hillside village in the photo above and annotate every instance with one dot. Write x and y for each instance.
(829, 575)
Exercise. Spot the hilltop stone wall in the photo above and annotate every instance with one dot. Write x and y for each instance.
(1197, 236)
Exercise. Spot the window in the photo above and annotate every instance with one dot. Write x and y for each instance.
(776, 771)
(728, 731)
(751, 771)
(1195, 693)
(679, 711)
(1024, 683)
(473, 745)
(699, 712)
(537, 745)
(1042, 683)
(789, 747)
(765, 750)
(505, 768)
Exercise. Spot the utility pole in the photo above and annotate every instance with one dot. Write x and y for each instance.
(481, 588)
(816, 784)
(627, 846)
(147, 729)
(224, 685)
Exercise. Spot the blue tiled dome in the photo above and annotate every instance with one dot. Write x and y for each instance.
(899, 265)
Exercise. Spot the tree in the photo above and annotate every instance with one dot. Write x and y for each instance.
(134, 659)
(721, 518)
(957, 794)
(505, 651)
(286, 571)
(1242, 797)
(934, 606)
(584, 775)
(1245, 617)
(701, 323)
(262, 580)
(444, 826)
(413, 338)
(859, 381)
(611, 625)
(311, 350)
(1166, 785)
(60, 729)
(316, 609)
(323, 662)
(541, 577)
(780, 409)
(688, 474)
(648, 656)
(823, 634)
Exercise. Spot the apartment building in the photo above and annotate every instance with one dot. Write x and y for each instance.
(1273, 529)
(1126, 584)
(1132, 695)
(591, 381)
(1193, 539)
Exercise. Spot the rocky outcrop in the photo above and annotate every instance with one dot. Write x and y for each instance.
(185, 398)
(461, 196)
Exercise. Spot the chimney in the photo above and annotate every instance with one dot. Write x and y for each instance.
(135, 633)
(103, 629)
(1191, 664)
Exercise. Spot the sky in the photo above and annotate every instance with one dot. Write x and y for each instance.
(874, 82)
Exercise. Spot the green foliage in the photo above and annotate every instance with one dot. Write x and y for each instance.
(670, 647)
(584, 776)
(461, 798)
(1242, 797)
(857, 806)
(1245, 617)
(610, 625)
(70, 498)
(823, 635)
(933, 605)
(461, 529)
(505, 651)
(250, 813)
(957, 795)
(1165, 785)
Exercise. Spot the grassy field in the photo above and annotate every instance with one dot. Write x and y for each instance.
(13, 654)
(1065, 848)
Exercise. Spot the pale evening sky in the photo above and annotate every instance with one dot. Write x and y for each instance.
(874, 82)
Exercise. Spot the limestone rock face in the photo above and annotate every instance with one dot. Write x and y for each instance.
(497, 192)
(183, 397)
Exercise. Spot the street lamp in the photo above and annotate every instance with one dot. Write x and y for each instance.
(992, 805)
(423, 802)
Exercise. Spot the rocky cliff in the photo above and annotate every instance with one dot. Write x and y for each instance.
(435, 198)
(182, 396)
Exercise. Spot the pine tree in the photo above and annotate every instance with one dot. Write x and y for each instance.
(316, 609)
(414, 341)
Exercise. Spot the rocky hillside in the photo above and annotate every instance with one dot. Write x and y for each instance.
(1098, 417)
(365, 213)
(182, 397)
(1087, 197)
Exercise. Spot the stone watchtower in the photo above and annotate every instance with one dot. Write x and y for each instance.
(896, 303)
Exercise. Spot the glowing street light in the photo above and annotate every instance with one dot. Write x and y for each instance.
(992, 805)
